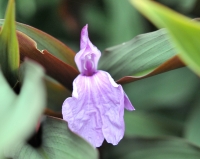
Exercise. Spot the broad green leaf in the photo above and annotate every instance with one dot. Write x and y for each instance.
(171, 64)
(170, 90)
(9, 49)
(192, 128)
(21, 112)
(151, 148)
(140, 123)
(138, 57)
(57, 142)
(57, 69)
(184, 32)
(45, 41)
(52, 65)
(56, 94)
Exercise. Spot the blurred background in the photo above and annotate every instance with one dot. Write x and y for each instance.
(110, 22)
(165, 104)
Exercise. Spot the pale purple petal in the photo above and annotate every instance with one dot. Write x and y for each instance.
(84, 122)
(113, 119)
(87, 58)
(96, 109)
(127, 103)
(84, 37)
(82, 114)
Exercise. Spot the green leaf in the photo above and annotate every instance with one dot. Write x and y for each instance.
(171, 64)
(56, 94)
(57, 142)
(138, 57)
(9, 49)
(184, 32)
(192, 129)
(7, 96)
(164, 91)
(21, 112)
(45, 41)
(128, 23)
(51, 64)
(151, 148)
(140, 123)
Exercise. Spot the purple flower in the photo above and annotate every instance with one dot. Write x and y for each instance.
(96, 109)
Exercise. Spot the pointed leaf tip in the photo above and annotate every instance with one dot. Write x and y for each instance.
(9, 49)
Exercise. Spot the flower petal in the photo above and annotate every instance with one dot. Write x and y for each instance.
(127, 103)
(86, 48)
(85, 123)
(113, 119)
(99, 109)
(82, 116)
(84, 37)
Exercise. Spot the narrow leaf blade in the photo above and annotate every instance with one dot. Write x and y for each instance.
(9, 49)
